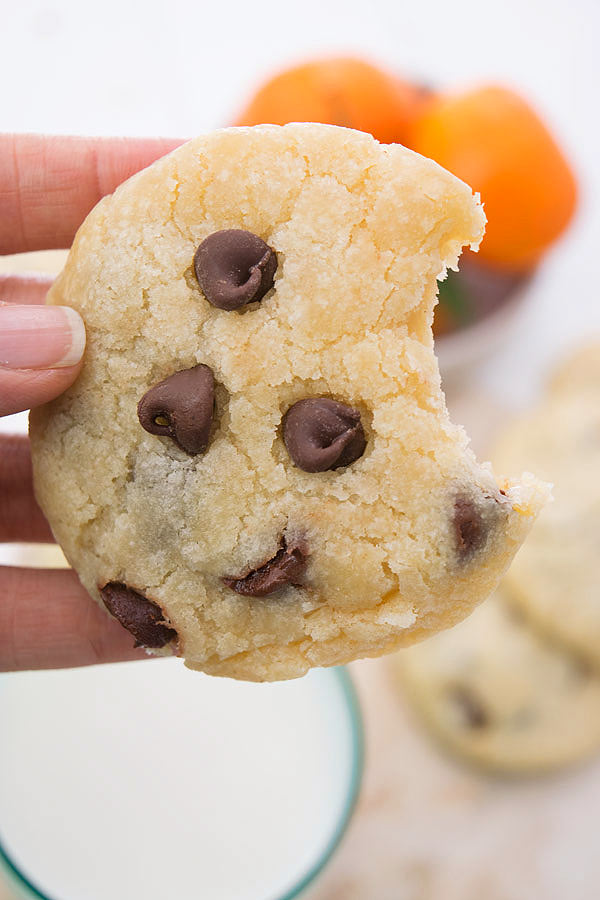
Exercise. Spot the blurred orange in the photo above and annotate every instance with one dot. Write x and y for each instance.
(339, 91)
(492, 139)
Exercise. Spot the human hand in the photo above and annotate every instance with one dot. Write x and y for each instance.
(47, 187)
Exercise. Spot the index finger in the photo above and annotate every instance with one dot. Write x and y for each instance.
(48, 185)
(48, 621)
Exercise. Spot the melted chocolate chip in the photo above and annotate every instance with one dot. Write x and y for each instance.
(286, 567)
(234, 267)
(472, 711)
(470, 527)
(181, 407)
(142, 617)
(322, 434)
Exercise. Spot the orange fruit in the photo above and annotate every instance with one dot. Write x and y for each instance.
(338, 91)
(492, 139)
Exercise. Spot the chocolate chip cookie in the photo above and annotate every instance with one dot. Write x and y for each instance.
(499, 695)
(256, 469)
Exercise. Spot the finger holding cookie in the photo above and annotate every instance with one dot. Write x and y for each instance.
(47, 187)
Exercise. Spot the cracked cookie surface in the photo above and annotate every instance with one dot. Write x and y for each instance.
(337, 309)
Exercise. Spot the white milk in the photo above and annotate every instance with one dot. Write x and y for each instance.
(146, 780)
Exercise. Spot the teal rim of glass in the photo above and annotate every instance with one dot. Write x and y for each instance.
(20, 881)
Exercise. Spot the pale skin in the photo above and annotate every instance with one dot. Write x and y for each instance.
(47, 187)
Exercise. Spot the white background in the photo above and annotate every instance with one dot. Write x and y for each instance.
(178, 68)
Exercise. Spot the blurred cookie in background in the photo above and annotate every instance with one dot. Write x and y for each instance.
(515, 688)
(555, 578)
(579, 372)
(501, 696)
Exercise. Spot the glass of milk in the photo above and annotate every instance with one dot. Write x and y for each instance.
(147, 781)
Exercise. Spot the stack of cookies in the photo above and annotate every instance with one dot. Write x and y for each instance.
(516, 687)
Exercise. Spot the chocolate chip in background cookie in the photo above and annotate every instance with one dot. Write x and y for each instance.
(140, 616)
(320, 434)
(472, 712)
(234, 267)
(286, 567)
(580, 669)
(181, 407)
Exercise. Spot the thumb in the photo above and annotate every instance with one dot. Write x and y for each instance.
(40, 354)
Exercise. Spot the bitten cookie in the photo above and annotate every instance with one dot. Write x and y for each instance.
(256, 469)
(556, 576)
(496, 693)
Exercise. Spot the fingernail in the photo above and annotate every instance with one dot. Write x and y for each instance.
(40, 337)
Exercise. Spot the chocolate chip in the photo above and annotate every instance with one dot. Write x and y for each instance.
(322, 434)
(181, 407)
(142, 617)
(286, 567)
(234, 267)
(470, 527)
(581, 669)
(472, 711)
